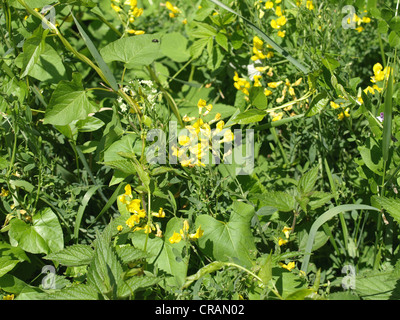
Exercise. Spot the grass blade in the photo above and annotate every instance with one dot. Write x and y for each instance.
(387, 122)
(96, 55)
(81, 210)
(321, 220)
(271, 42)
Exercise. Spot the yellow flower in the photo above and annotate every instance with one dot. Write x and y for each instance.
(277, 116)
(174, 10)
(119, 228)
(159, 214)
(281, 33)
(267, 92)
(281, 241)
(366, 20)
(183, 140)
(309, 5)
(136, 32)
(199, 233)
(175, 238)
(278, 11)
(115, 8)
(8, 297)
(344, 114)
(278, 23)
(4, 192)
(334, 105)
(159, 232)
(257, 82)
(132, 220)
(274, 85)
(360, 29)
(134, 206)
(286, 231)
(288, 266)
(269, 5)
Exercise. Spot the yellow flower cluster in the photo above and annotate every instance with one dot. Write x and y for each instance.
(4, 192)
(174, 10)
(359, 21)
(279, 22)
(258, 53)
(199, 136)
(241, 84)
(342, 112)
(134, 12)
(380, 74)
(288, 266)
(309, 4)
(286, 232)
(184, 234)
(137, 220)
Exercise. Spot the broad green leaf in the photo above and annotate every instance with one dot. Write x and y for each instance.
(129, 254)
(317, 104)
(371, 154)
(33, 48)
(378, 285)
(249, 116)
(391, 205)
(49, 67)
(209, 268)
(307, 181)
(222, 40)
(75, 255)
(12, 284)
(69, 102)
(136, 283)
(75, 292)
(166, 256)
(132, 51)
(229, 241)
(174, 46)
(258, 98)
(280, 200)
(44, 235)
(105, 271)
(10, 257)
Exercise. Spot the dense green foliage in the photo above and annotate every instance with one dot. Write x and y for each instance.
(304, 206)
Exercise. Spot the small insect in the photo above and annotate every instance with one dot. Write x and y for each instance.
(155, 40)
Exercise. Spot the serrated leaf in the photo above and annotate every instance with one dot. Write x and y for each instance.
(134, 284)
(75, 292)
(375, 285)
(129, 254)
(307, 181)
(72, 256)
(391, 205)
(278, 199)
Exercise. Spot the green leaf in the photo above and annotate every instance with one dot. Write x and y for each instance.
(307, 181)
(100, 62)
(136, 283)
(33, 47)
(129, 254)
(222, 40)
(10, 257)
(249, 116)
(265, 37)
(317, 104)
(174, 46)
(280, 200)
(387, 122)
(75, 292)
(72, 256)
(132, 51)
(378, 285)
(391, 205)
(258, 98)
(44, 235)
(105, 271)
(68, 102)
(321, 220)
(229, 241)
